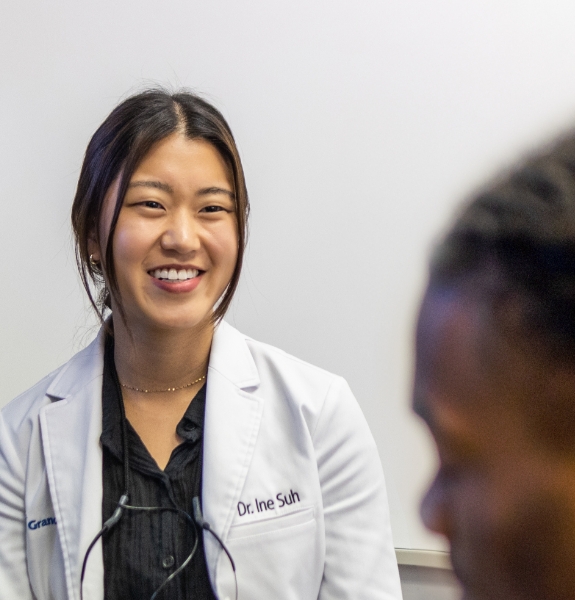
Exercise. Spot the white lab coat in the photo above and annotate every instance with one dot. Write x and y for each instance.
(284, 437)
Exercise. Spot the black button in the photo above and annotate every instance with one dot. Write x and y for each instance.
(168, 562)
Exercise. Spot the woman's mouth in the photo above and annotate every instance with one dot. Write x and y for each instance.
(176, 281)
(174, 274)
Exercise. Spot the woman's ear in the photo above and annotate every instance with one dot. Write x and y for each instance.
(94, 249)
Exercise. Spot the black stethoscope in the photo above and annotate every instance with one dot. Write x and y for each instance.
(196, 520)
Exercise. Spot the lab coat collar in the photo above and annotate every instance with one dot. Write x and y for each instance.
(72, 426)
(71, 429)
(231, 426)
(230, 357)
(80, 370)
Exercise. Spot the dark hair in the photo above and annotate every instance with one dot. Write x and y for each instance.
(117, 148)
(518, 233)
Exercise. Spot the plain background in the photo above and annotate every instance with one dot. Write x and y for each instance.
(361, 126)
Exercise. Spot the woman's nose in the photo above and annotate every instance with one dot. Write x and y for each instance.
(181, 235)
(434, 510)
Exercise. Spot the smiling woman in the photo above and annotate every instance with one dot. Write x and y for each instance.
(178, 220)
(154, 451)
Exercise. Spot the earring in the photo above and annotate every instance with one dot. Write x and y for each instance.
(93, 263)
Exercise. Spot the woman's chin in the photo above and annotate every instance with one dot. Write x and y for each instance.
(170, 321)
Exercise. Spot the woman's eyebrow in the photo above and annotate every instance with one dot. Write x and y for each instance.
(216, 190)
(158, 185)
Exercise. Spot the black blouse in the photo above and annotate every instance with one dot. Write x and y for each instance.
(145, 547)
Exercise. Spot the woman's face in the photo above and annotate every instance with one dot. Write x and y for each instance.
(176, 241)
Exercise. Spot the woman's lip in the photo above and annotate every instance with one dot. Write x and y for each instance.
(176, 267)
(176, 286)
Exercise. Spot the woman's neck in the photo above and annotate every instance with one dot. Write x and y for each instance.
(160, 359)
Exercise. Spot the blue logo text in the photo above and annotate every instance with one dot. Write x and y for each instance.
(42, 523)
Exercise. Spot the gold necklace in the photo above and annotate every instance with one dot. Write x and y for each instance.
(172, 389)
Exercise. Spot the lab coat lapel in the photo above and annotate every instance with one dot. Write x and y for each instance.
(71, 428)
(233, 416)
(72, 425)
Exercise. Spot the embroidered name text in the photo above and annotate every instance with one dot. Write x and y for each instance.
(264, 505)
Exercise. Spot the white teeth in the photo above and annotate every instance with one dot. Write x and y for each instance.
(174, 275)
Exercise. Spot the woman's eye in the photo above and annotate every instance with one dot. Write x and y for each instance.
(151, 204)
(212, 209)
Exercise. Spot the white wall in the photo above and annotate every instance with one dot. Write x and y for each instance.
(360, 123)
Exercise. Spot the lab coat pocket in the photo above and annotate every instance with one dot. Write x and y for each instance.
(279, 558)
(270, 525)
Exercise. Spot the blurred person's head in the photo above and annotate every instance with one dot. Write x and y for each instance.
(495, 382)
